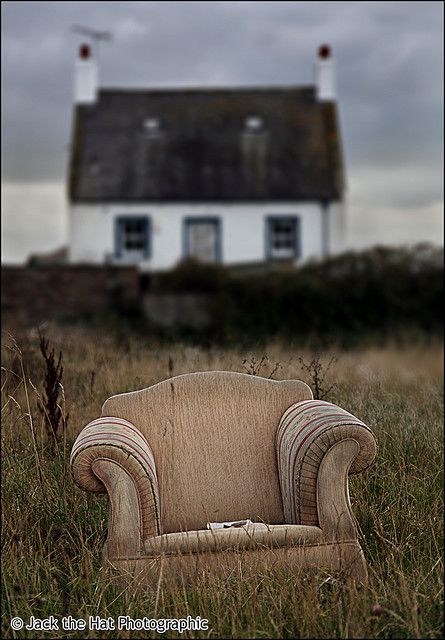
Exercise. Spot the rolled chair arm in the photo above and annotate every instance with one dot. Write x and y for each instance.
(111, 455)
(318, 444)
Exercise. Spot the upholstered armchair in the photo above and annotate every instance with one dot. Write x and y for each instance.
(220, 446)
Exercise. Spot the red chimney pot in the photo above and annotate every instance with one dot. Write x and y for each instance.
(324, 51)
(85, 51)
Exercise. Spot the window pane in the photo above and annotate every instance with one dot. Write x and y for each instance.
(282, 238)
(133, 238)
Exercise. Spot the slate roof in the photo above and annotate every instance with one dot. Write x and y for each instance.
(202, 151)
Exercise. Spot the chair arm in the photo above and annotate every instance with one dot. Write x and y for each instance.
(318, 444)
(111, 455)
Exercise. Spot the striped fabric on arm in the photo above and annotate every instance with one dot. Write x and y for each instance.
(118, 440)
(307, 430)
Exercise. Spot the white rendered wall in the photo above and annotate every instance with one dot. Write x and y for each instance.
(337, 227)
(243, 228)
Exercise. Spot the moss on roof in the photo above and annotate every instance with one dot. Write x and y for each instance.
(197, 147)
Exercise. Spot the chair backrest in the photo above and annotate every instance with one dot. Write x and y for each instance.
(212, 435)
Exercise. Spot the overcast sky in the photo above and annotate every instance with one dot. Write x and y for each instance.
(389, 82)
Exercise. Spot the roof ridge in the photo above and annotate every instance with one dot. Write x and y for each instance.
(209, 89)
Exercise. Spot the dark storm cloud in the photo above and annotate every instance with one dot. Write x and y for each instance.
(389, 75)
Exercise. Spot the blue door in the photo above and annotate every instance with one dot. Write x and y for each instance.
(202, 239)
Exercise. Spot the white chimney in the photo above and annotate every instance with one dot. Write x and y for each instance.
(324, 74)
(85, 77)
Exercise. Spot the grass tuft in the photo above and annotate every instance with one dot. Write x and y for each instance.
(53, 533)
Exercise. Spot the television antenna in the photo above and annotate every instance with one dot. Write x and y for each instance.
(94, 35)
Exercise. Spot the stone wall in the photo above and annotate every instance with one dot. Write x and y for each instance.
(178, 309)
(33, 295)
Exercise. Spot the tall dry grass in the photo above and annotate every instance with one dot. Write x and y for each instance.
(53, 533)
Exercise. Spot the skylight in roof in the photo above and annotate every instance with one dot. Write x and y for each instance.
(253, 123)
(151, 125)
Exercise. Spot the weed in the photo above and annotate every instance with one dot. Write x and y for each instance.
(92, 380)
(254, 366)
(49, 404)
(317, 373)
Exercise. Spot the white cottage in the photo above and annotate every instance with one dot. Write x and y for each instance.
(228, 175)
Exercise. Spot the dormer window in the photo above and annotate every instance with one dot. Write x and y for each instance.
(152, 126)
(253, 124)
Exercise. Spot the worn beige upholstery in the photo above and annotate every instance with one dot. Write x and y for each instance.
(278, 535)
(201, 448)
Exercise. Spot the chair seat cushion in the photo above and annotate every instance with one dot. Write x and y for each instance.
(235, 538)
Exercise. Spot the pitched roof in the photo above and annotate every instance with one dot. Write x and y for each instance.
(192, 145)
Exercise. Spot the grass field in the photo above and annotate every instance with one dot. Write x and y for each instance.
(53, 533)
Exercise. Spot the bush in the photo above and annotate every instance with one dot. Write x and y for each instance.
(378, 292)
